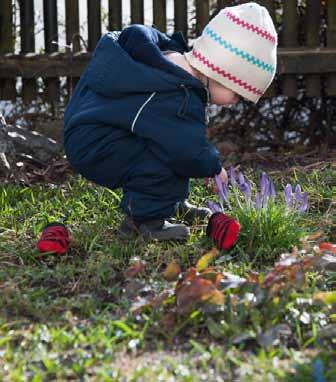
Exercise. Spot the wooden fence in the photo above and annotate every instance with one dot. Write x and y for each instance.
(307, 42)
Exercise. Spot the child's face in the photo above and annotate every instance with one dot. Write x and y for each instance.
(220, 95)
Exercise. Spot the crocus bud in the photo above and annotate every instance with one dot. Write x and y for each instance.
(289, 195)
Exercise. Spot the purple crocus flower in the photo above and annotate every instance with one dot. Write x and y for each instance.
(272, 190)
(242, 183)
(265, 197)
(233, 176)
(248, 192)
(223, 191)
(245, 188)
(264, 184)
(234, 182)
(226, 194)
(241, 178)
(304, 202)
(219, 185)
(258, 201)
(289, 195)
(298, 195)
(214, 207)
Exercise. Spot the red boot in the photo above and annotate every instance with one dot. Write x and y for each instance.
(223, 230)
(54, 238)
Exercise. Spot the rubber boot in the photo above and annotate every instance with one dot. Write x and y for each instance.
(191, 213)
(156, 229)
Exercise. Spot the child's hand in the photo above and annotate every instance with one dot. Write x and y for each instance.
(223, 177)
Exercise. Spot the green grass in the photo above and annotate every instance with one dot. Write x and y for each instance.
(68, 317)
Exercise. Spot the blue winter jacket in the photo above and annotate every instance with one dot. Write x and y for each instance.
(131, 102)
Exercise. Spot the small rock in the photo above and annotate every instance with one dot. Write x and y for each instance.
(327, 263)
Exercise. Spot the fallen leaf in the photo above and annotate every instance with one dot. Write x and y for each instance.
(172, 271)
(217, 298)
(289, 271)
(213, 276)
(253, 277)
(190, 275)
(134, 269)
(197, 290)
(204, 261)
(314, 236)
(326, 297)
(327, 247)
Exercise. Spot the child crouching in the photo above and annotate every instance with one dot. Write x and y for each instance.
(137, 119)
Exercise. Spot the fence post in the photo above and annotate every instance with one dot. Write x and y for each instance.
(160, 14)
(51, 46)
(72, 37)
(7, 87)
(312, 26)
(331, 43)
(202, 15)
(115, 15)
(181, 17)
(290, 39)
(137, 11)
(222, 4)
(94, 23)
(27, 34)
(72, 25)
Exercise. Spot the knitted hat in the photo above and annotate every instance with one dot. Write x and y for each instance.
(238, 49)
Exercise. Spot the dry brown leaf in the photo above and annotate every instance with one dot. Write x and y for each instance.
(213, 276)
(293, 273)
(314, 236)
(191, 274)
(196, 290)
(217, 298)
(134, 269)
(253, 277)
(172, 271)
(204, 261)
(326, 297)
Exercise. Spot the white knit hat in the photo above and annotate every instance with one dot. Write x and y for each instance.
(238, 48)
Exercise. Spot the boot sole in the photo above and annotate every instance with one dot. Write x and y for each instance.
(126, 231)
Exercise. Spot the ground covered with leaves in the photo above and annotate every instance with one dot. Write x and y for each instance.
(118, 308)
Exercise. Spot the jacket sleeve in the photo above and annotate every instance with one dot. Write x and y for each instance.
(181, 143)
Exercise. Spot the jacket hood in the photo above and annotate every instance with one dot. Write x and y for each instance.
(133, 62)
